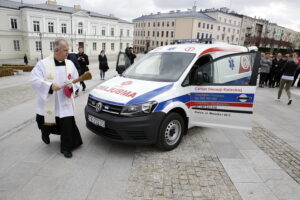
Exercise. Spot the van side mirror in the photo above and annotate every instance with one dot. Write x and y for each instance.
(200, 79)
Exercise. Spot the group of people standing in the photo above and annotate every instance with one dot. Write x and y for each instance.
(281, 71)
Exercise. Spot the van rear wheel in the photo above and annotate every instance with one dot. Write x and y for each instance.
(171, 131)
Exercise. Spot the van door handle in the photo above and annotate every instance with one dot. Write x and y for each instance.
(244, 98)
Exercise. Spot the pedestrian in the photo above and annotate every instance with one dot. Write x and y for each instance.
(73, 58)
(103, 65)
(130, 54)
(265, 66)
(275, 71)
(288, 77)
(83, 60)
(297, 73)
(51, 79)
(25, 59)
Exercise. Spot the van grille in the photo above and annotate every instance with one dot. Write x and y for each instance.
(108, 108)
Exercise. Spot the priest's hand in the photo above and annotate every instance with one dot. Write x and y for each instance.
(55, 87)
(70, 85)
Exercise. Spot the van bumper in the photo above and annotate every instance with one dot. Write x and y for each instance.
(129, 130)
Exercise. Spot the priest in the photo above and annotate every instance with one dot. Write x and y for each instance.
(52, 78)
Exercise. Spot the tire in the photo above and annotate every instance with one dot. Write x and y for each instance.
(171, 132)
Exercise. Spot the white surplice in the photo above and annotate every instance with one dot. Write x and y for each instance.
(39, 82)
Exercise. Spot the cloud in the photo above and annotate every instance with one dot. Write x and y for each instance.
(282, 12)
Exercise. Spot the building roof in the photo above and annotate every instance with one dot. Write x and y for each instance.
(185, 14)
(56, 8)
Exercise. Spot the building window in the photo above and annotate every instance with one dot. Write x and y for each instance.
(17, 45)
(238, 32)
(157, 43)
(233, 31)
(158, 24)
(163, 24)
(212, 27)
(103, 31)
(206, 36)
(218, 37)
(36, 26)
(225, 20)
(162, 34)
(161, 43)
(224, 29)
(172, 34)
(51, 46)
(148, 33)
(103, 46)
(121, 32)
(173, 24)
(94, 30)
(210, 36)
(112, 32)
(13, 23)
(199, 24)
(112, 46)
(128, 33)
(157, 34)
(80, 27)
(202, 35)
(228, 30)
(207, 26)
(38, 46)
(168, 24)
(148, 24)
(153, 24)
(230, 21)
(198, 35)
(219, 28)
(153, 34)
(167, 33)
(203, 25)
(152, 43)
(50, 27)
(94, 46)
(63, 28)
(166, 42)
(121, 46)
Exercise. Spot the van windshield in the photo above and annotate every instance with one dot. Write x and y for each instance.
(160, 66)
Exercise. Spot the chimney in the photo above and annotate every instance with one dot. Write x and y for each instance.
(111, 15)
(51, 2)
(77, 7)
(194, 8)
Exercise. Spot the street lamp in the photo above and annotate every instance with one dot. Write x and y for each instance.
(41, 45)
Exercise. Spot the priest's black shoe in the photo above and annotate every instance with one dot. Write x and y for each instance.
(67, 154)
(45, 138)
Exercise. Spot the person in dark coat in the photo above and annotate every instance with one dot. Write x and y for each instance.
(275, 74)
(83, 60)
(297, 74)
(73, 58)
(25, 59)
(130, 54)
(103, 65)
(287, 78)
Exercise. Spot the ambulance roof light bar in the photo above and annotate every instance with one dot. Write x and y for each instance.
(196, 40)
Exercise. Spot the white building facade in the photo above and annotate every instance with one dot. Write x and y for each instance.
(32, 29)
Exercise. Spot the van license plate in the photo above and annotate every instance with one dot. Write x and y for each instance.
(96, 121)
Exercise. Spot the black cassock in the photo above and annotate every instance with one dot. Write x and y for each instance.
(66, 128)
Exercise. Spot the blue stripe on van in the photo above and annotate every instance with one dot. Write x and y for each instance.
(149, 95)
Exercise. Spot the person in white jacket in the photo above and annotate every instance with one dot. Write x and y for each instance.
(51, 78)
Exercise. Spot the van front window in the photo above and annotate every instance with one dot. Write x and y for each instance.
(160, 66)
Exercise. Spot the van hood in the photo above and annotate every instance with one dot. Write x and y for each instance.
(125, 91)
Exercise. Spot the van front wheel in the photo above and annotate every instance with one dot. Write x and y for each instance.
(171, 131)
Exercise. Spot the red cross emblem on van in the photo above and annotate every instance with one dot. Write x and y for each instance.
(126, 83)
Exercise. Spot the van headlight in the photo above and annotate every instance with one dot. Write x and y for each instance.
(138, 109)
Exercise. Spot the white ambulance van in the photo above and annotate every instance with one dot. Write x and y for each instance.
(173, 88)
